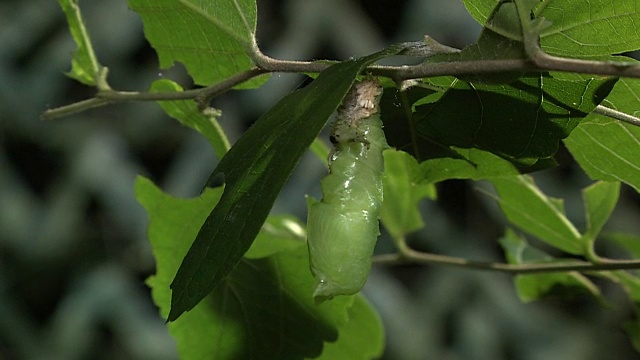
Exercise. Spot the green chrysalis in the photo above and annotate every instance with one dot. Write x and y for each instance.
(342, 229)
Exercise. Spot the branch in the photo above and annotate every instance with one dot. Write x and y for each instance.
(212, 91)
(461, 68)
(618, 115)
(73, 108)
(105, 97)
(270, 64)
(406, 255)
(539, 61)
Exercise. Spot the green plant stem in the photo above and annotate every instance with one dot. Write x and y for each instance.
(406, 256)
(410, 120)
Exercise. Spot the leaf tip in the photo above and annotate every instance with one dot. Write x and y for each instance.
(176, 310)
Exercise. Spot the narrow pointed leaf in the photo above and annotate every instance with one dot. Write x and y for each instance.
(599, 201)
(537, 214)
(630, 243)
(84, 65)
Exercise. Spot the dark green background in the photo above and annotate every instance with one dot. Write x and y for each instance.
(73, 248)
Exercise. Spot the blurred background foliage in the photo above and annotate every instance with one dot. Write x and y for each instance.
(73, 247)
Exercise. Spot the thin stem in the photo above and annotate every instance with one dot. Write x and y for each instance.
(412, 125)
(539, 61)
(398, 73)
(410, 256)
(407, 255)
(529, 34)
(269, 64)
(208, 93)
(618, 115)
(105, 97)
(125, 96)
(472, 67)
(73, 108)
(611, 68)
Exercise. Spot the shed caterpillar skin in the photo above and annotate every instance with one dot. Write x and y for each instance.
(342, 229)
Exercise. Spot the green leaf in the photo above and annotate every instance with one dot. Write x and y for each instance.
(404, 188)
(211, 38)
(602, 27)
(629, 242)
(495, 42)
(537, 214)
(406, 182)
(533, 287)
(396, 109)
(443, 162)
(599, 201)
(264, 309)
(321, 151)
(362, 337)
(84, 65)
(633, 329)
(255, 169)
(475, 164)
(188, 114)
(480, 10)
(536, 112)
(631, 286)
(629, 282)
(172, 220)
(576, 28)
(278, 233)
(504, 18)
(608, 149)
